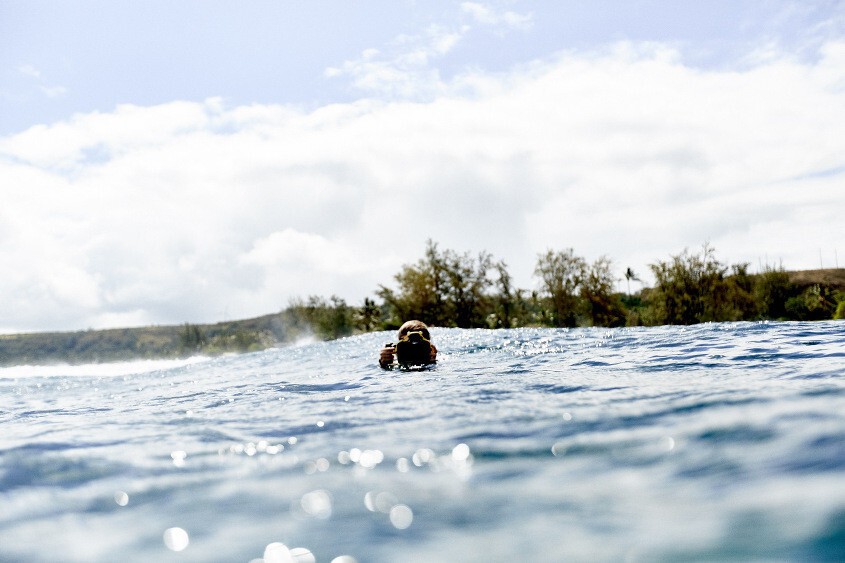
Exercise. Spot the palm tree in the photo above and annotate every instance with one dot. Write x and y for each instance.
(630, 275)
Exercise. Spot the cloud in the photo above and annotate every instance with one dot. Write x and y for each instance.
(29, 70)
(34, 73)
(407, 70)
(195, 211)
(54, 91)
(486, 15)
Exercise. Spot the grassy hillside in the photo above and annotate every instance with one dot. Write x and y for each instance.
(833, 278)
(148, 342)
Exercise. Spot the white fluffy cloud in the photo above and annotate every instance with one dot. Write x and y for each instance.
(198, 211)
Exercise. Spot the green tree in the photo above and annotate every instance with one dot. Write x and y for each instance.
(839, 314)
(468, 283)
(690, 288)
(422, 290)
(505, 312)
(192, 338)
(327, 319)
(740, 289)
(630, 276)
(772, 289)
(815, 303)
(443, 288)
(561, 274)
(603, 305)
(368, 317)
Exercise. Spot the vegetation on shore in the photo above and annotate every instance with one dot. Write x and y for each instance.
(446, 288)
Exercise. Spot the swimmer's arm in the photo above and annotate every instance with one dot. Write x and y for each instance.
(386, 356)
(433, 357)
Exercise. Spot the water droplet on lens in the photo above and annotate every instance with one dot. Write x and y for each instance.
(277, 552)
(317, 504)
(302, 555)
(422, 456)
(401, 516)
(178, 458)
(370, 501)
(121, 498)
(402, 465)
(667, 443)
(460, 452)
(370, 458)
(385, 502)
(344, 559)
(567, 416)
(176, 539)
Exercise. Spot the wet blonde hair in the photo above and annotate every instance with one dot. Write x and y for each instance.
(412, 326)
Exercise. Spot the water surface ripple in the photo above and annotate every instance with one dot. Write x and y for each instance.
(714, 442)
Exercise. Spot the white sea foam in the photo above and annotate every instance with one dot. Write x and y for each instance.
(109, 369)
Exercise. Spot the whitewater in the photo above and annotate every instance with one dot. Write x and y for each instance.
(713, 442)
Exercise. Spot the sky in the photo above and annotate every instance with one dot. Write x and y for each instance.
(197, 161)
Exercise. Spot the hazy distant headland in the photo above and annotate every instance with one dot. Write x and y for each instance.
(446, 288)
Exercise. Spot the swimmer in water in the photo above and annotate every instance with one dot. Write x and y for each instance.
(414, 348)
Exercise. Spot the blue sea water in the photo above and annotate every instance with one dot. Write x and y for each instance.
(707, 443)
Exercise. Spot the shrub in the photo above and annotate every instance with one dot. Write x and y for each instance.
(690, 288)
(772, 289)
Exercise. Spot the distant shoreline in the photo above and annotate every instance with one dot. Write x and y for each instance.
(175, 342)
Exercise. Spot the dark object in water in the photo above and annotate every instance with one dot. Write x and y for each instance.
(413, 350)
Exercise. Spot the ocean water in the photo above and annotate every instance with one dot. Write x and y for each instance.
(707, 443)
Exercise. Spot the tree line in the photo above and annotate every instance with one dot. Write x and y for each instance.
(451, 289)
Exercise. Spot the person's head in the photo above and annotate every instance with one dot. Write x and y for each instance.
(414, 326)
(414, 346)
